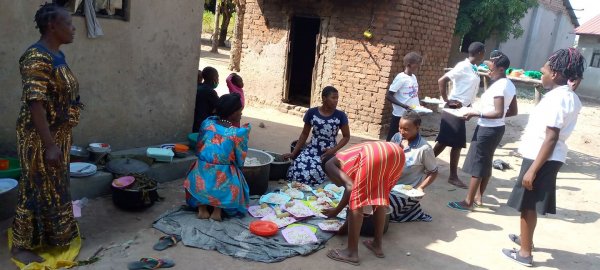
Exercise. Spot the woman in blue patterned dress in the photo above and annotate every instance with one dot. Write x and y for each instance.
(325, 122)
(216, 179)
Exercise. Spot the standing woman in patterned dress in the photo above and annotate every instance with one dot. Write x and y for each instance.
(50, 108)
(325, 122)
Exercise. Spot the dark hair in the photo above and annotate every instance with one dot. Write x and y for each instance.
(568, 62)
(236, 79)
(328, 90)
(45, 14)
(228, 104)
(208, 73)
(499, 59)
(476, 48)
(412, 58)
(412, 116)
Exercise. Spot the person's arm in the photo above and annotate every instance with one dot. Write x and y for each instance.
(52, 152)
(495, 114)
(390, 96)
(213, 99)
(443, 87)
(429, 162)
(429, 178)
(339, 178)
(300, 143)
(512, 108)
(552, 134)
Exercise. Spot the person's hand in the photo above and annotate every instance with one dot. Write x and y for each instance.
(330, 212)
(470, 115)
(287, 156)
(454, 104)
(53, 156)
(528, 179)
(328, 152)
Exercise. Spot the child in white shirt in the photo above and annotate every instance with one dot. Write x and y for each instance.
(404, 91)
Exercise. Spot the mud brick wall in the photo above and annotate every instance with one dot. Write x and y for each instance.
(361, 69)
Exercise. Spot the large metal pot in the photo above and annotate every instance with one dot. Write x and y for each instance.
(257, 176)
(279, 167)
(141, 195)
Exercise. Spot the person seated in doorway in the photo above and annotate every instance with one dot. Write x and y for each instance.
(404, 91)
(216, 178)
(325, 122)
(420, 169)
(206, 96)
(368, 171)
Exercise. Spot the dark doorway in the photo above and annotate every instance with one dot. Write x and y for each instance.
(304, 32)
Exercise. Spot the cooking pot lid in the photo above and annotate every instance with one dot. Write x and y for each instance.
(125, 166)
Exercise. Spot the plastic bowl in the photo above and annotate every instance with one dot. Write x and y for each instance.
(100, 147)
(263, 228)
(193, 140)
(123, 182)
(180, 148)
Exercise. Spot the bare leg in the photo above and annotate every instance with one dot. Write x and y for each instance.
(25, 256)
(203, 212)
(216, 214)
(528, 223)
(354, 219)
(453, 177)
(473, 190)
(438, 149)
(344, 229)
(481, 191)
(375, 245)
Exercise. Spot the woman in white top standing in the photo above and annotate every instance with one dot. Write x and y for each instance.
(465, 81)
(497, 102)
(543, 148)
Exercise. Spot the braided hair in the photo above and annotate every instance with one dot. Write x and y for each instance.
(499, 59)
(567, 62)
(45, 14)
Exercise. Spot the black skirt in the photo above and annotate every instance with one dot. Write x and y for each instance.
(453, 131)
(481, 152)
(543, 196)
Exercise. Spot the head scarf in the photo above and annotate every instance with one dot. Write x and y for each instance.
(234, 88)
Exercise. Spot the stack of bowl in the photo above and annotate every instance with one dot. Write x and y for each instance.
(98, 151)
(181, 150)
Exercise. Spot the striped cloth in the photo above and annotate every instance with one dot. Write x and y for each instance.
(406, 209)
(375, 167)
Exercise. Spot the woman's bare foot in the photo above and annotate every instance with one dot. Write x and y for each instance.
(456, 182)
(375, 248)
(203, 212)
(216, 214)
(25, 256)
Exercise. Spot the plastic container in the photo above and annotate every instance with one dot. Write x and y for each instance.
(160, 154)
(192, 140)
(257, 176)
(8, 197)
(279, 167)
(14, 169)
(263, 228)
(368, 226)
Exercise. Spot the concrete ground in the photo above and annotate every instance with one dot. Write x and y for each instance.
(454, 240)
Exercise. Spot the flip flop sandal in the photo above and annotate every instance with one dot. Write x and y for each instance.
(151, 263)
(335, 255)
(166, 241)
(457, 206)
(517, 240)
(370, 247)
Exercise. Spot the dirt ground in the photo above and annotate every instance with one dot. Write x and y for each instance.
(453, 240)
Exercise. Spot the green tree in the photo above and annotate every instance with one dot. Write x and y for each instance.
(480, 19)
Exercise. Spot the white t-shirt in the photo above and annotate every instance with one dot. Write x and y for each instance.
(500, 88)
(465, 81)
(559, 108)
(406, 90)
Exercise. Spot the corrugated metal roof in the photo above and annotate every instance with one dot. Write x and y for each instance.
(591, 27)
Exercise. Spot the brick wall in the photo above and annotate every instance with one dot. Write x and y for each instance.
(361, 69)
(554, 5)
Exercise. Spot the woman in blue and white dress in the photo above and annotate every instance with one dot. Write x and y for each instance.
(325, 122)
